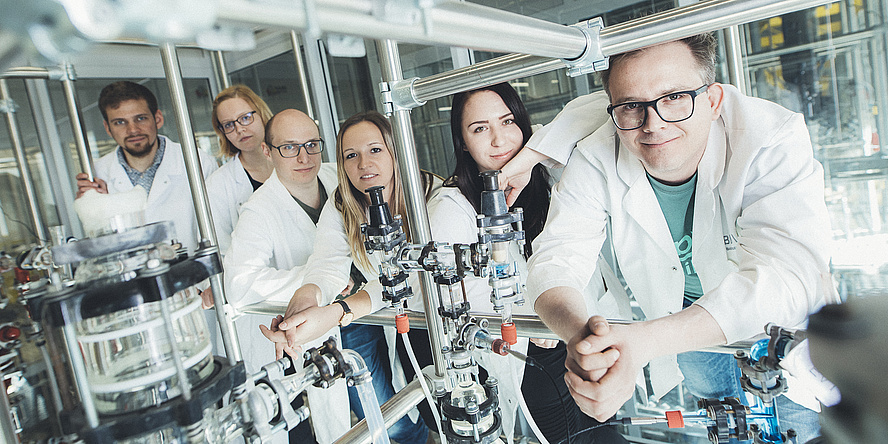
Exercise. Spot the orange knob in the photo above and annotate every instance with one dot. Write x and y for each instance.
(402, 323)
(510, 333)
(674, 419)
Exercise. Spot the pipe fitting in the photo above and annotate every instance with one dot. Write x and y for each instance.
(592, 59)
(399, 95)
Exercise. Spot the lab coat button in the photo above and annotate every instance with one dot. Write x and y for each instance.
(674, 268)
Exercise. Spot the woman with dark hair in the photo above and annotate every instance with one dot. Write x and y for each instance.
(489, 127)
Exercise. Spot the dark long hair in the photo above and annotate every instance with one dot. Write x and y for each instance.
(534, 199)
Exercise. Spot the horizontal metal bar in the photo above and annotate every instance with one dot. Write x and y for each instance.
(447, 23)
(490, 72)
(528, 326)
(669, 25)
(26, 72)
(693, 19)
(394, 409)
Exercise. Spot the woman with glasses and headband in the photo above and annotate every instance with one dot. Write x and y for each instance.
(239, 117)
(364, 159)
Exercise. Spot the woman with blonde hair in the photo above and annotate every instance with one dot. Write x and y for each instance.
(364, 159)
(239, 118)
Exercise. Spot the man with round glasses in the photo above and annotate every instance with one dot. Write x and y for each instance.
(713, 206)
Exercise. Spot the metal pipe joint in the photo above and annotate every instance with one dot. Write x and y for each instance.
(592, 59)
(399, 95)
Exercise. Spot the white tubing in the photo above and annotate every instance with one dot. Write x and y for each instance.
(425, 389)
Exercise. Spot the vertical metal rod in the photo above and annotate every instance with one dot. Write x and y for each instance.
(199, 195)
(86, 163)
(184, 384)
(22, 160)
(734, 56)
(6, 426)
(57, 159)
(323, 108)
(221, 71)
(80, 376)
(300, 71)
(417, 215)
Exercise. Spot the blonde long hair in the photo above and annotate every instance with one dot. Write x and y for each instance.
(353, 203)
(244, 92)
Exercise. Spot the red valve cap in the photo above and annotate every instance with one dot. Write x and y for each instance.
(10, 333)
(674, 420)
(510, 333)
(402, 323)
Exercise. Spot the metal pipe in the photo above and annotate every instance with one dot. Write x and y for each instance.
(691, 20)
(219, 69)
(324, 114)
(27, 72)
(528, 326)
(394, 409)
(199, 195)
(668, 25)
(411, 179)
(81, 378)
(300, 72)
(55, 157)
(76, 118)
(21, 160)
(7, 427)
(446, 23)
(490, 72)
(734, 58)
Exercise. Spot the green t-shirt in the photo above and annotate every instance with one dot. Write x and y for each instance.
(677, 204)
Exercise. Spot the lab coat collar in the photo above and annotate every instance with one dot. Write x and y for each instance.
(640, 201)
(240, 179)
(170, 171)
(279, 193)
(282, 196)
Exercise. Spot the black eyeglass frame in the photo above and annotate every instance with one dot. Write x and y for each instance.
(653, 104)
(299, 147)
(237, 121)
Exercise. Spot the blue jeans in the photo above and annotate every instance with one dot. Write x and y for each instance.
(716, 375)
(369, 342)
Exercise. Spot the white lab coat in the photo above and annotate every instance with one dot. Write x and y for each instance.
(170, 196)
(761, 229)
(266, 262)
(453, 220)
(228, 189)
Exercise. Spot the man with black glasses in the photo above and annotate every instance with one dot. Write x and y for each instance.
(714, 206)
(270, 245)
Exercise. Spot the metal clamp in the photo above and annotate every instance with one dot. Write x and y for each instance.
(399, 95)
(592, 59)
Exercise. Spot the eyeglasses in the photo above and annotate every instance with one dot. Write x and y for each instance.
(243, 120)
(292, 149)
(673, 107)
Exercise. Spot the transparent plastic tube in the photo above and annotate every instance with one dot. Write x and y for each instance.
(364, 385)
(422, 383)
